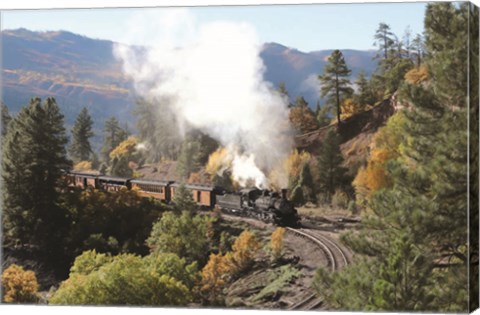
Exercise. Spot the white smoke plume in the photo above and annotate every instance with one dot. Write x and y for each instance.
(212, 75)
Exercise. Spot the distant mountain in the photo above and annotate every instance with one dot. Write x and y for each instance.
(81, 71)
(77, 70)
(299, 70)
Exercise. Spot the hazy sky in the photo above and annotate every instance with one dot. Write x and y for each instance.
(305, 27)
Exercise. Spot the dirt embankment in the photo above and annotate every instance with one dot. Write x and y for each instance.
(355, 132)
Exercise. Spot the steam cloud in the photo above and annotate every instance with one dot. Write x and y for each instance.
(212, 75)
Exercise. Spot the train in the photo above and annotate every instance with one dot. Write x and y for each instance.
(265, 205)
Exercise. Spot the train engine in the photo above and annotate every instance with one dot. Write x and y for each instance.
(264, 205)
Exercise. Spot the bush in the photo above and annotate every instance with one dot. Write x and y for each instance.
(215, 275)
(276, 243)
(109, 221)
(128, 280)
(340, 199)
(185, 235)
(244, 249)
(19, 286)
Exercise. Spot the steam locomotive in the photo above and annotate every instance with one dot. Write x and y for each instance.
(264, 205)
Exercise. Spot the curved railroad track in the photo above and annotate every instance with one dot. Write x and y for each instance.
(336, 257)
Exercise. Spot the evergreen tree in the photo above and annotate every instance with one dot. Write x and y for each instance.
(124, 157)
(384, 38)
(330, 160)
(418, 49)
(302, 117)
(323, 116)
(282, 89)
(364, 95)
(407, 41)
(34, 158)
(306, 182)
(303, 187)
(80, 149)
(113, 136)
(6, 118)
(157, 127)
(183, 200)
(196, 148)
(474, 156)
(334, 81)
(393, 65)
(416, 233)
(449, 67)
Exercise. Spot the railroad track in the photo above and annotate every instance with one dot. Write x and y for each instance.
(336, 257)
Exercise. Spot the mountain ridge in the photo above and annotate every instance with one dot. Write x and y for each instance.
(81, 71)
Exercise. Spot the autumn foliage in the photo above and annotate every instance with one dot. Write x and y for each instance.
(276, 243)
(126, 147)
(222, 268)
(19, 285)
(303, 119)
(374, 176)
(215, 275)
(417, 75)
(217, 160)
(244, 249)
(83, 166)
(350, 108)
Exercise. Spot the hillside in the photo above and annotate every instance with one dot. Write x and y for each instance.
(356, 134)
(81, 71)
(77, 70)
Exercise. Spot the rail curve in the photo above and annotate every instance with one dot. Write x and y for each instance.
(336, 256)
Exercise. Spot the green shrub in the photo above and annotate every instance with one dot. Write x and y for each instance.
(184, 235)
(127, 279)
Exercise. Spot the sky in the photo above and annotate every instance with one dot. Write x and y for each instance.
(302, 26)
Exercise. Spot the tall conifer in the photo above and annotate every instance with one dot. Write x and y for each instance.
(33, 161)
(334, 81)
(80, 149)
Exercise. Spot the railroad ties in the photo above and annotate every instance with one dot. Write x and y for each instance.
(336, 257)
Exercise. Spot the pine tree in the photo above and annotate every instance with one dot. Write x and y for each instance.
(302, 117)
(34, 158)
(323, 116)
(384, 38)
(364, 95)
(113, 136)
(196, 148)
(80, 149)
(183, 200)
(330, 160)
(157, 128)
(123, 156)
(6, 118)
(407, 41)
(418, 49)
(474, 156)
(416, 234)
(334, 81)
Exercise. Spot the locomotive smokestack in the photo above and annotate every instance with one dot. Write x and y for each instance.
(284, 193)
